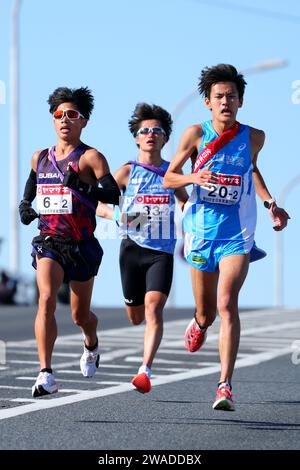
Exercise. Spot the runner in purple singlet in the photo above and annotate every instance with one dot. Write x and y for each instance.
(64, 179)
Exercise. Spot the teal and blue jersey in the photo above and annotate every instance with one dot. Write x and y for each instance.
(151, 206)
(225, 211)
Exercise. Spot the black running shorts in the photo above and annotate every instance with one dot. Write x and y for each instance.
(143, 270)
(80, 260)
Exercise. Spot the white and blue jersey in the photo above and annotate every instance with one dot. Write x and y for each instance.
(221, 218)
(151, 206)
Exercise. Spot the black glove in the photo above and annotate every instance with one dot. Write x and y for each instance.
(27, 213)
(72, 180)
(109, 193)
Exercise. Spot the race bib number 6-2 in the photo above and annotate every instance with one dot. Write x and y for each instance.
(226, 191)
(54, 199)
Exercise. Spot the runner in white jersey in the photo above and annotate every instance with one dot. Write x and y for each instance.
(146, 222)
(220, 216)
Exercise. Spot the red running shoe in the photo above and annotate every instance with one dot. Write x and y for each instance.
(194, 338)
(142, 383)
(224, 399)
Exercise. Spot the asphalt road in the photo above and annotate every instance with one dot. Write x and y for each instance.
(104, 413)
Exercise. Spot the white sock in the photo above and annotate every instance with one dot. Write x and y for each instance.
(227, 384)
(146, 370)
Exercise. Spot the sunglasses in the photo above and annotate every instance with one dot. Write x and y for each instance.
(72, 114)
(154, 130)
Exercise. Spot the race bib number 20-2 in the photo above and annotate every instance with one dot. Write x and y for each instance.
(226, 191)
(54, 199)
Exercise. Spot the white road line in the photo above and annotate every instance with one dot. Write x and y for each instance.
(11, 387)
(108, 382)
(29, 400)
(187, 353)
(246, 332)
(101, 366)
(34, 353)
(17, 361)
(157, 360)
(86, 381)
(249, 360)
(91, 394)
(62, 390)
(106, 357)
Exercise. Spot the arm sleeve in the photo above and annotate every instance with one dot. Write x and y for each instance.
(30, 187)
(109, 193)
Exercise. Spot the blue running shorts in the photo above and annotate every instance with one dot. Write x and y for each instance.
(210, 253)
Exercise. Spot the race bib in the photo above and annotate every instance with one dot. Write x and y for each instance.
(226, 191)
(54, 199)
(155, 207)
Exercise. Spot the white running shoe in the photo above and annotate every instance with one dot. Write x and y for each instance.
(89, 362)
(45, 385)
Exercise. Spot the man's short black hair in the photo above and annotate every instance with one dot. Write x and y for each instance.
(144, 111)
(220, 73)
(82, 98)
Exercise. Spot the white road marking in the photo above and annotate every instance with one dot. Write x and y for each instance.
(34, 353)
(106, 357)
(157, 360)
(29, 400)
(17, 361)
(246, 361)
(15, 387)
(91, 394)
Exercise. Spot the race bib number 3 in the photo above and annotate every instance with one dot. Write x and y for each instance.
(54, 199)
(226, 191)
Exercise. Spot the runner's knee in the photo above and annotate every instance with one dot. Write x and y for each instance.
(47, 302)
(227, 305)
(82, 319)
(136, 319)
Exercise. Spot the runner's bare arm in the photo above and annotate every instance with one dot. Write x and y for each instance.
(257, 139)
(181, 196)
(189, 143)
(34, 160)
(278, 215)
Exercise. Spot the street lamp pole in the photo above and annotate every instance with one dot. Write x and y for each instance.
(14, 138)
(268, 64)
(279, 278)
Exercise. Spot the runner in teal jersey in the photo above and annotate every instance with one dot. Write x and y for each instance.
(146, 223)
(220, 216)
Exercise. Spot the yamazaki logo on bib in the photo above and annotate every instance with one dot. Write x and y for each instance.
(232, 180)
(155, 206)
(51, 189)
(150, 199)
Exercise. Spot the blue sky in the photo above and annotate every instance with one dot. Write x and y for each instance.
(128, 51)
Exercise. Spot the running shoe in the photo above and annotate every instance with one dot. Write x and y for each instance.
(141, 383)
(224, 399)
(194, 337)
(89, 362)
(45, 385)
